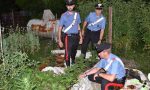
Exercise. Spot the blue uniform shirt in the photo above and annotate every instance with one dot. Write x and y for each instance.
(92, 17)
(115, 68)
(65, 21)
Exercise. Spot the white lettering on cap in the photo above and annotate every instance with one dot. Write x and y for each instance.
(99, 5)
(69, 0)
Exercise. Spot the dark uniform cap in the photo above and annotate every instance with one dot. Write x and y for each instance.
(70, 2)
(102, 47)
(99, 6)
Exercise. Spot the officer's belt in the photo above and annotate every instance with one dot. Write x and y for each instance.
(71, 34)
(93, 31)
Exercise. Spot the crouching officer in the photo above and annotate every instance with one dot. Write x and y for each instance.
(109, 69)
(95, 23)
(71, 34)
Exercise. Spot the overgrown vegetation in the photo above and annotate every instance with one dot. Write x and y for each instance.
(13, 64)
(32, 79)
(20, 72)
(20, 41)
(13, 55)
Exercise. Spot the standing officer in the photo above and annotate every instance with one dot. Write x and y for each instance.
(71, 34)
(109, 69)
(95, 23)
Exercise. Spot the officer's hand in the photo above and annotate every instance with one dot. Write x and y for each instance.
(83, 33)
(99, 42)
(82, 75)
(81, 41)
(95, 75)
(60, 44)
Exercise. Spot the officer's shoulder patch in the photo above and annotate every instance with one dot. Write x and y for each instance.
(92, 12)
(63, 13)
(113, 59)
(76, 12)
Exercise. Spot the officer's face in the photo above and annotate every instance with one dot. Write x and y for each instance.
(70, 7)
(98, 11)
(103, 54)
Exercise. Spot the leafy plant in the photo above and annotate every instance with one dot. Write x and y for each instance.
(18, 41)
(13, 64)
(24, 81)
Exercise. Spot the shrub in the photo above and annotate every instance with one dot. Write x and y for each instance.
(18, 41)
(13, 64)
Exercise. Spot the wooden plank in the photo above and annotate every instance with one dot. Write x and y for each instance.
(110, 25)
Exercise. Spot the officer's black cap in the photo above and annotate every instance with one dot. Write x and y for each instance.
(70, 2)
(99, 6)
(102, 47)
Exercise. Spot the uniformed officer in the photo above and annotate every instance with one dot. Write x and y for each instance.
(109, 69)
(95, 23)
(71, 34)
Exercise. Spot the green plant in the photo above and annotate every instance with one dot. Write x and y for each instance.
(18, 41)
(13, 64)
(24, 81)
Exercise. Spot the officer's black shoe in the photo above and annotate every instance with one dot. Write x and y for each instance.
(83, 56)
(73, 62)
(67, 63)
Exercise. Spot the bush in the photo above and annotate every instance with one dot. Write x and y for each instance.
(14, 58)
(13, 64)
(18, 41)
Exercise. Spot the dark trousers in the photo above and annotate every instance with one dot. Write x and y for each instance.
(104, 82)
(71, 44)
(99, 80)
(90, 36)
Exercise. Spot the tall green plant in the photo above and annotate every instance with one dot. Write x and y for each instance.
(25, 42)
(14, 63)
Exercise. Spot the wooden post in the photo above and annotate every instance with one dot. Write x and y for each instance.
(13, 20)
(1, 45)
(110, 25)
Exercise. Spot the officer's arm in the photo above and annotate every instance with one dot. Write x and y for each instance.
(109, 77)
(114, 70)
(80, 32)
(101, 34)
(84, 25)
(91, 71)
(59, 33)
